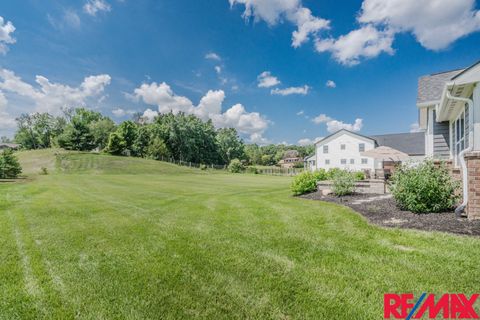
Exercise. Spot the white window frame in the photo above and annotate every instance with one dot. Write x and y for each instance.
(327, 161)
(459, 135)
(352, 161)
(343, 161)
(325, 149)
(343, 146)
(364, 161)
(361, 147)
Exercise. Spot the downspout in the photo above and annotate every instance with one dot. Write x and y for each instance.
(469, 102)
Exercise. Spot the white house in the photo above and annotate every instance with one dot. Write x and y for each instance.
(449, 112)
(343, 149)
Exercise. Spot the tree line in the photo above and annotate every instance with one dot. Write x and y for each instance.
(174, 136)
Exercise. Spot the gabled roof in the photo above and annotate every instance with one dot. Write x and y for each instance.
(342, 131)
(412, 144)
(466, 70)
(430, 87)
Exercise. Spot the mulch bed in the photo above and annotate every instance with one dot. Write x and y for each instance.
(385, 213)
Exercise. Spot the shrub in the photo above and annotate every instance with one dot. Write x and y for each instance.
(9, 166)
(236, 166)
(299, 165)
(203, 167)
(43, 171)
(332, 173)
(359, 175)
(423, 189)
(253, 170)
(343, 183)
(321, 175)
(303, 183)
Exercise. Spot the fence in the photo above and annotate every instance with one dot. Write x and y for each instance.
(266, 171)
(193, 164)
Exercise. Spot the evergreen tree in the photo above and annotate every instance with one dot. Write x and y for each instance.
(9, 166)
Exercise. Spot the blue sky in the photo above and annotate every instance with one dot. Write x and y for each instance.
(207, 57)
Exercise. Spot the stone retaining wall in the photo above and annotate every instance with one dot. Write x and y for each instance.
(373, 186)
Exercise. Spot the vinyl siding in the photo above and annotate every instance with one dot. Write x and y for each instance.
(441, 139)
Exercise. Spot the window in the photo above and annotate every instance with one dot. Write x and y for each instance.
(343, 161)
(361, 147)
(364, 160)
(459, 134)
(327, 161)
(342, 147)
(352, 161)
(325, 149)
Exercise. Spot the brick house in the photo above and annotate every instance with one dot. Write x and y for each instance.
(449, 112)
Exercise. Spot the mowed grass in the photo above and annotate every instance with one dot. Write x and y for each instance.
(120, 238)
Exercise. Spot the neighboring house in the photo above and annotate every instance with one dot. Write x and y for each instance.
(290, 162)
(449, 112)
(290, 159)
(9, 146)
(344, 149)
(309, 162)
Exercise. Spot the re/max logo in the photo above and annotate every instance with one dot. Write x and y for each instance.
(448, 306)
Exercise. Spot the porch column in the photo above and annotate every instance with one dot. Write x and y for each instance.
(472, 160)
(476, 118)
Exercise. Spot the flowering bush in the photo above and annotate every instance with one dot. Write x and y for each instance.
(424, 189)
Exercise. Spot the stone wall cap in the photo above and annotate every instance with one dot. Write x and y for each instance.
(472, 154)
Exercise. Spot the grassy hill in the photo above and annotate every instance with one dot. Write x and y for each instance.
(104, 237)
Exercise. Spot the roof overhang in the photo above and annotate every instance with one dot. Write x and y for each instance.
(447, 108)
(341, 132)
(461, 86)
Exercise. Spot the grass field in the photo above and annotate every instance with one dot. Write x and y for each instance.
(104, 237)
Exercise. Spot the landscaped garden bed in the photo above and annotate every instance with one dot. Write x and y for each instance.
(384, 212)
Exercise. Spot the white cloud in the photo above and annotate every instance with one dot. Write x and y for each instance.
(335, 125)
(259, 139)
(300, 113)
(218, 69)
(331, 84)
(120, 112)
(434, 23)
(276, 11)
(415, 127)
(6, 30)
(72, 18)
(92, 7)
(51, 97)
(366, 42)
(292, 90)
(321, 119)
(213, 56)
(307, 141)
(210, 107)
(266, 80)
(149, 115)
(6, 121)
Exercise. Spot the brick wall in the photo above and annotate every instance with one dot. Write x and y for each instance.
(472, 160)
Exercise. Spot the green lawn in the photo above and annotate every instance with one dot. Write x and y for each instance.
(104, 237)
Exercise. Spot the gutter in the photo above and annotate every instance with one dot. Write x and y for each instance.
(469, 102)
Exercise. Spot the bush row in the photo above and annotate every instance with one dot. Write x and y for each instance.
(343, 181)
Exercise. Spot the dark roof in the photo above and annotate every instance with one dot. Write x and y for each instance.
(9, 145)
(430, 87)
(410, 143)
